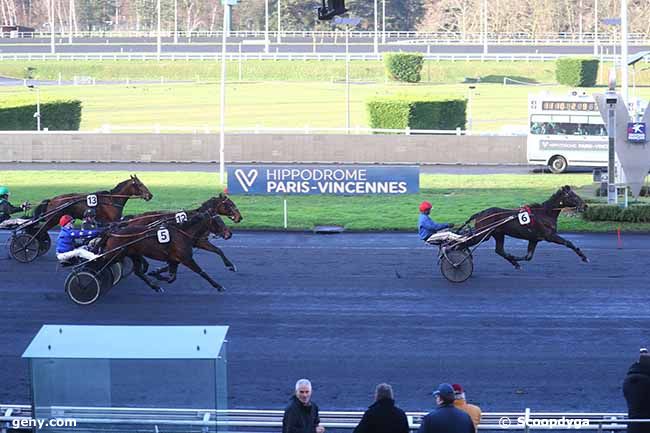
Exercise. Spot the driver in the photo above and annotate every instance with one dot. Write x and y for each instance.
(65, 246)
(6, 209)
(431, 231)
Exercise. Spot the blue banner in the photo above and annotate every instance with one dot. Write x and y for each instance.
(325, 179)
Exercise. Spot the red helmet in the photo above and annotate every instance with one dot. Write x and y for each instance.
(65, 219)
(425, 206)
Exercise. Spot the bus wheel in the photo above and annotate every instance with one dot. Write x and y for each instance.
(558, 164)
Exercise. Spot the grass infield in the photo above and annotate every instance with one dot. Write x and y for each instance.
(454, 197)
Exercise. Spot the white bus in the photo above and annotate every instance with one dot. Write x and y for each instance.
(565, 131)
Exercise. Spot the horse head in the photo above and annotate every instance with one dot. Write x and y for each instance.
(567, 198)
(223, 205)
(137, 188)
(218, 227)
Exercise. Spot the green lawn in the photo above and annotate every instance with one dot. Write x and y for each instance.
(273, 104)
(455, 198)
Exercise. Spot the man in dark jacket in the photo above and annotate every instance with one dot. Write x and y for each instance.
(636, 389)
(383, 416)
(447, 418)
(6, 208)
(301, 416)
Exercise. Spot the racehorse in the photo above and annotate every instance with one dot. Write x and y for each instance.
(171, 243)
(535, 222)
(108, 204)
(220, 204)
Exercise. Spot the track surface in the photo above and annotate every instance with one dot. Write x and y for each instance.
(351, 310)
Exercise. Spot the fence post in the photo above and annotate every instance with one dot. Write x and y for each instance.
(526, 418)
(458, 131)
(240, 65)
(407, 131)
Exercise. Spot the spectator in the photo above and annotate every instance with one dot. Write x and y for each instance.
(460, 402)
(636, 389)
(383, 416)
(301, 415)
(447, 418)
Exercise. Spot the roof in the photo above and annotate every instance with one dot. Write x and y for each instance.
(127, 342)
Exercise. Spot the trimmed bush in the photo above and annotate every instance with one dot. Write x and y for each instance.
(404, 66)
(55, 116)
(633, 214)
(403, 112)
(576, 72)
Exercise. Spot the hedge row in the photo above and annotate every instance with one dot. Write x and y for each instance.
(404, 66)
(55, 116)
(576, 72)
(633, 214)
(400, 113)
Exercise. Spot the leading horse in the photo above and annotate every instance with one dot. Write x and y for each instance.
(535, 222)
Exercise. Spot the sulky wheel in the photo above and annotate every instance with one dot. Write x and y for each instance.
(83, 287)
(116, 272)
(24, 248)
(456, 265)
(127, 266)
(44, 243)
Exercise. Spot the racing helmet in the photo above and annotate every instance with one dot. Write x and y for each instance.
(4, 190)
(90, 212)
(65, 219)
(425, 206)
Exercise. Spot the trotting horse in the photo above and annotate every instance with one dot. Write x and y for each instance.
(171, 243)
(108, 204)
(535, 222)
(220, 204)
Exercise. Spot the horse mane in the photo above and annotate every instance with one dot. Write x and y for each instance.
(208, 204)
(117, 187)
(549, 201)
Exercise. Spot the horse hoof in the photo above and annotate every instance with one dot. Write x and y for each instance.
(517, 266)
(586, 260)
(221, 289)
(232, 268)
(159, 290)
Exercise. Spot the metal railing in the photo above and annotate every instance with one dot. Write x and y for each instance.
(156, 129)
(450, 37)
(158, 419)
(319, 56)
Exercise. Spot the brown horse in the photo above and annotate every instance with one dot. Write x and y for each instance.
(220, 204)
(172, 243)
(109, 205)
(534, 223)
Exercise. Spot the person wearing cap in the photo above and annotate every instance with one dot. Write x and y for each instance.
(301, 415)
(430, 230)
(90, 222)
(383, 416)
(6, 208)
(460, 402)
(446, 418)
(65, 243)
(636, 389)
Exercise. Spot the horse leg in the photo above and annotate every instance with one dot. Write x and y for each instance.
(206, 245)
(156, 273)
(140, 266)
(500, 241)
(173, 268)
(557, 239)
(531, 251)
(190, 263)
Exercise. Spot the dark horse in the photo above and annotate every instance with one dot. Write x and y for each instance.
(109, 204)
(535, 222)
(173, 246)
(220, 204)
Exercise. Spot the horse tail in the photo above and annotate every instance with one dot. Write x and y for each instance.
(41, 208)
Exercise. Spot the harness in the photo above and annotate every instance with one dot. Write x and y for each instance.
(528, 210)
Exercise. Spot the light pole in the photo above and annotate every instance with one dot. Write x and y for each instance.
(222, 130)
(158, 37)
(347, 22)
(383, 21)
(610, 99)
(595, 27)
(176, 21)
(469, 108)
(266, 26)
(485, 27)
(70, 8)
(52, 46)
(624, 68)
(376, 35)
(37, 114)
(278, 39)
